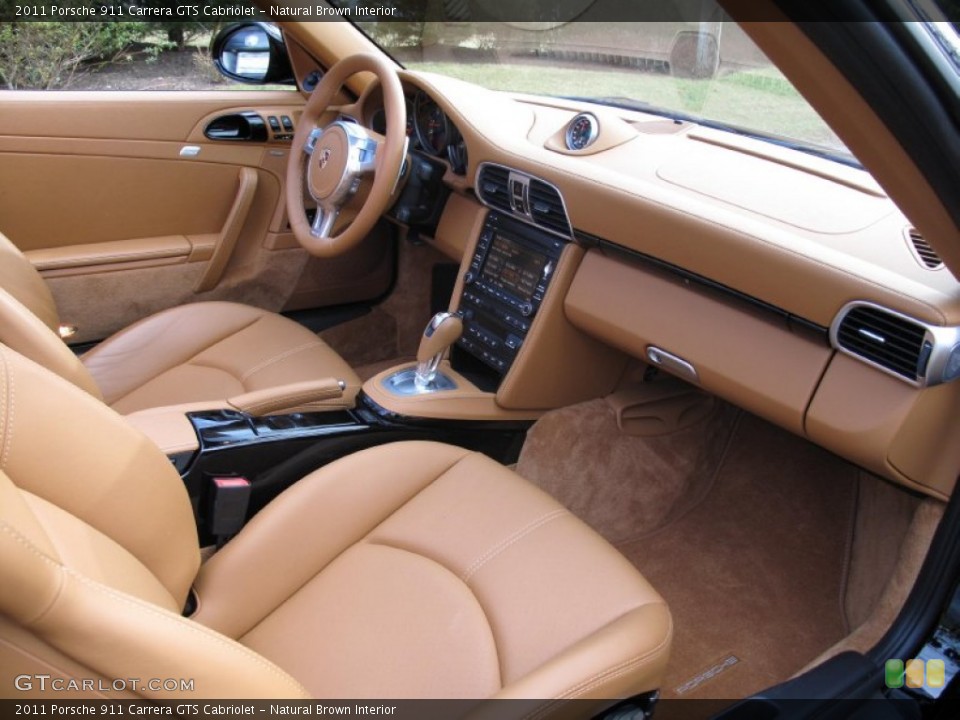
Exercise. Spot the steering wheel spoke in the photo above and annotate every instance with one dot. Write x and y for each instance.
(311, 142)
(323, 221)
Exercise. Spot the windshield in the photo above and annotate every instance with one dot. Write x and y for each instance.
(708, 71)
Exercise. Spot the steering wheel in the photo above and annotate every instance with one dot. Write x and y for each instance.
(335, 159)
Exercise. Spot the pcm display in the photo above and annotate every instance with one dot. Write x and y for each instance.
(512, 268)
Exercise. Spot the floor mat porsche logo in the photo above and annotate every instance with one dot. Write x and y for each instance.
(711, 672)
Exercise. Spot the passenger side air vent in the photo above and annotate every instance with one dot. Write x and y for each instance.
(921, 248)
(493, 187)
(886, 339)
(525, 197)
(546, 208)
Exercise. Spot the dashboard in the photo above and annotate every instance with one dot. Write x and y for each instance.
(849, 335)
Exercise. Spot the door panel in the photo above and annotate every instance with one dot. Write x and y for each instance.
(127, 208)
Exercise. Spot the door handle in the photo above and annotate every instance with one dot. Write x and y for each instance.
(244, 126)
(230, 233)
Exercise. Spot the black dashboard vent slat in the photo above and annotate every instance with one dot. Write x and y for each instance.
(494, 187)
(546, 207)
(925, 254)
(891, 341)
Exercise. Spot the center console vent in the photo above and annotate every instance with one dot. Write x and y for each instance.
(524, 197)
(899, 345)
(546, 208)
(493, 187)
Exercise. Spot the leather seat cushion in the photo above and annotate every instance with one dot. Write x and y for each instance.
(207, 352)
(424, 570)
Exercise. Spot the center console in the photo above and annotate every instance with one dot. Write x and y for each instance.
(504, 288)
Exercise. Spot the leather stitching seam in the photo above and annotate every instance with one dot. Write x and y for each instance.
(193, 628)
(509, 541)
(277, 358)
(9, 405)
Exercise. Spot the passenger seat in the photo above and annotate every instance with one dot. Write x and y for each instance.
(410, 570)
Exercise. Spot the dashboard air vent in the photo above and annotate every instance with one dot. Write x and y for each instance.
(546, 208)
(523, 196)
(886, 339)
(492, 186)
(925, 254)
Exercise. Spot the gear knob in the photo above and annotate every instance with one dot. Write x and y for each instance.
(443, 330)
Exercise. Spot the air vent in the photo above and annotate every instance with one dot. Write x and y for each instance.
(546, 208)
(883, 338)
(925, 254)
(527, 198)
(493, 187)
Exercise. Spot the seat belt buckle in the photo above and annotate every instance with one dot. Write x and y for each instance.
(229, 501)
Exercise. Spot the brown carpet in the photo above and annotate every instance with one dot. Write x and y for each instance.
(623, 486)
(393, 328)
(754, 570)
(757, 570)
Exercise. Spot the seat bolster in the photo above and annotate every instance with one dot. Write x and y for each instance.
(21, 280)
(134, 638)
(605, 664)
(63, 446)
(308, 526)
(22, 329)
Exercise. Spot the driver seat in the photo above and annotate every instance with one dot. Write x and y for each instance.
(198, 354)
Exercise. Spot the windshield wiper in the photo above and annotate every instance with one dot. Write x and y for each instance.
(625, 103)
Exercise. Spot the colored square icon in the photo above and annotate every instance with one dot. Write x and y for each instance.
(936, 674)
(893, 673)
(914, 673)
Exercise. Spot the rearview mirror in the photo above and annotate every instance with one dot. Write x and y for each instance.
(252, 53)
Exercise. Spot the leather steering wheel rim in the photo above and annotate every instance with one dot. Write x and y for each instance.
(328, 163)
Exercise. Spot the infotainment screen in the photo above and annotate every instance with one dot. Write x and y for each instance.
(512, 267)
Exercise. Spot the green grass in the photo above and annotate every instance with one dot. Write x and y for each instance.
(757, 99)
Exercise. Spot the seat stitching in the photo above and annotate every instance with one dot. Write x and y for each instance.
(192, 627)
(188, 361)
(483, 610)
(9, 406)
(338, 555)
(511, 540)
(277, 358)
(22, 540)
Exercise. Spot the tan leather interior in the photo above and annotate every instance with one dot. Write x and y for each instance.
(192, 353)
(167, 211)
(438, 554)
(417, 569)
(217, 350)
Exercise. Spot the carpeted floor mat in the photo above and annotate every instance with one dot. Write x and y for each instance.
(744, 528)
(754, 574)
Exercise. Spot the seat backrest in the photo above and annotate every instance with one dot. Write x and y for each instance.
(20, 278)
(98, 550)
(29, 322)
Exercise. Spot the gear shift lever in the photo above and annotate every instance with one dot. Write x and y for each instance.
(443, 330)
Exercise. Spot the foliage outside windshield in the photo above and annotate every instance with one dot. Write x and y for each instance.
(707, 70)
